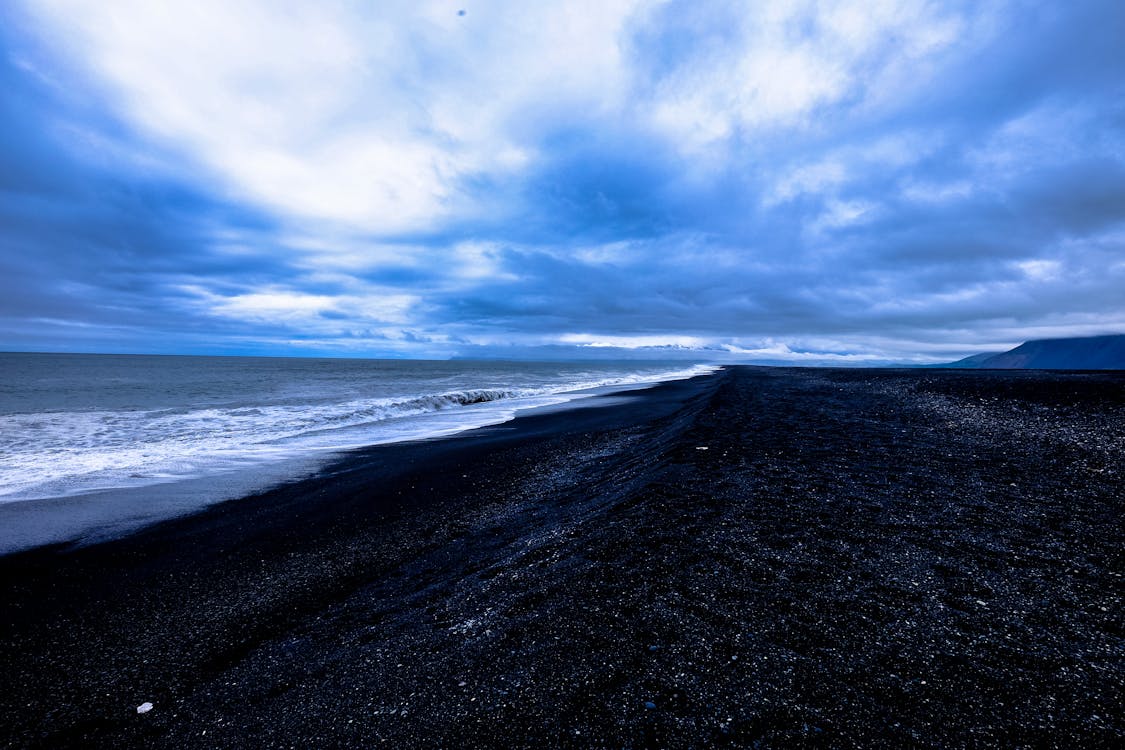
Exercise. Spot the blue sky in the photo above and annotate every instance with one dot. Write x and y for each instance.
(812, 182)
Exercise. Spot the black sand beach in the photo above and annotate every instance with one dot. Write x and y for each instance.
(759, 558)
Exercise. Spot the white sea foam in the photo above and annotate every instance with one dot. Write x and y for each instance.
(214, 423)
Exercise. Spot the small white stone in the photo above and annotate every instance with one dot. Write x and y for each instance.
(144, 708)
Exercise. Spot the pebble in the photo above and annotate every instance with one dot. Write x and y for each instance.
(650, 705)
(144, 708)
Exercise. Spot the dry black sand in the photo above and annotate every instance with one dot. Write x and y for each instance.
(857, 559)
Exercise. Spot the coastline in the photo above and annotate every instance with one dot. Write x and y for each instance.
(848, 558)
(103, 505)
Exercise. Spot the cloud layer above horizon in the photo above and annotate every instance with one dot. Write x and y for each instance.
(809, 181)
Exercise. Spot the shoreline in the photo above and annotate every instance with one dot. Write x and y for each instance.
(101, 515)
(839, 557)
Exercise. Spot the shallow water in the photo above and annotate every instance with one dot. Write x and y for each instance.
(73, 424)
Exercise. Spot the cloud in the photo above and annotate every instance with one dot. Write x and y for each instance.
(720, 70)
(371, 116)
(803, 181)
(315, 313)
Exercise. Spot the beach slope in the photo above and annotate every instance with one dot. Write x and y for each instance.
(761, 557)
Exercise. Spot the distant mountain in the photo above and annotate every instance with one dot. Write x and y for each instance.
(973, 360)
(1090, 353)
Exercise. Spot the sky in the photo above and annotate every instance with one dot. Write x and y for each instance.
(814, 182)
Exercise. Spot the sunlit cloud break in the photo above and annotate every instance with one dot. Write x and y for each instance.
(813, 182)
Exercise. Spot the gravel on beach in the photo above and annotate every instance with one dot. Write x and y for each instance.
(758, 558)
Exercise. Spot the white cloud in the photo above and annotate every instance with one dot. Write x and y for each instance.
(840, 213)
(374, 116)
(795, 56)
(632, 342)
(366, 115)
(937, 192)
(479, 260)
(779, 350)
(831, 173)
(1040, 270)
(809, 178)
(421, 169)
(319, 313)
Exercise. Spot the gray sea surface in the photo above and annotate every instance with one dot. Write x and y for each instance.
(91, 436)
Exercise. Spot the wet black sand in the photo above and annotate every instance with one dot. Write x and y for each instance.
(857, 559)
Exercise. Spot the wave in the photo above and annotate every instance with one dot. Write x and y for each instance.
(64, 453)
(454, 398)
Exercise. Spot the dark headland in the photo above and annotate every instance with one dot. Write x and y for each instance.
(1085, 353)
(758, 558)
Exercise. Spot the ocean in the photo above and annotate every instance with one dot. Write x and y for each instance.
(76, 424)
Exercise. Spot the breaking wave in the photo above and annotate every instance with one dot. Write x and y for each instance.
(54, 453)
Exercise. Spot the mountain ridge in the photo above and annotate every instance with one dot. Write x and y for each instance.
(1105, 352)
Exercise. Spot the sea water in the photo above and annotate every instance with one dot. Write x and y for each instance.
(77, 424)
